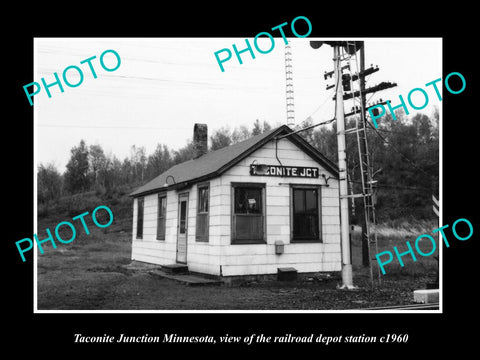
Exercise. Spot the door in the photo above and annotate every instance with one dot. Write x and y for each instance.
(182, 228)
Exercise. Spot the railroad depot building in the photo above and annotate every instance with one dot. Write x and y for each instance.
(269, 202)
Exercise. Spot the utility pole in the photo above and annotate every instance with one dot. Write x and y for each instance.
(347, 277)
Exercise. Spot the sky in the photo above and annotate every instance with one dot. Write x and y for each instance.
(164, 86)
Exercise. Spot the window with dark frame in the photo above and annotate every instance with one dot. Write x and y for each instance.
(248, 218)
(161, 216)
(305, 214)
(203, 202)
(140, 202)
(183, 217)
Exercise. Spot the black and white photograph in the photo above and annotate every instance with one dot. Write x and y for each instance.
(270, 184)
(229, 181)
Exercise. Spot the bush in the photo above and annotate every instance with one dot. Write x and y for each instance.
(79, 203)
(42, 210)
(100, 190)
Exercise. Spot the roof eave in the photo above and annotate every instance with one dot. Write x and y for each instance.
(177, 186)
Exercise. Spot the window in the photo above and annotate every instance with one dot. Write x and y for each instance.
(201, 233)
(161, 216)
(305, 217)
(183, 217)
(140, 218)
(248, 213)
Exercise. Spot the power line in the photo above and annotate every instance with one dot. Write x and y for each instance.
(324, 102)
(307, 128)
(333, 90)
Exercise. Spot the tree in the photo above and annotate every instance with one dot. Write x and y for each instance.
(307, 134)
(240, 134)
(224, 137)
(266, 126)
(257, 128)
(158, 162)
(183, 154)
(111, 174)
(49, 184)
(76, 175)
(138, 161)
(98, 162)
(325, 140)
(125, 171)
(220, 139)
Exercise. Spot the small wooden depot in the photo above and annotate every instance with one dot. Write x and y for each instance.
(270, 202)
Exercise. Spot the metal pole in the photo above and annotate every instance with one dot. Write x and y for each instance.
(347, 281)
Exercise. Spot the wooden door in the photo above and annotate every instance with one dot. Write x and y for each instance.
(182, 229)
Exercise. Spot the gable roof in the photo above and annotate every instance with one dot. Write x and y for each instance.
(216, 162)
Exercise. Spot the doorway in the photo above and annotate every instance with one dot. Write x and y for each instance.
(182, 227)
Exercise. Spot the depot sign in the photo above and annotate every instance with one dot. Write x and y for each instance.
(283, 171)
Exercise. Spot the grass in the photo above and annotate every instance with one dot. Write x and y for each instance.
(389, 237)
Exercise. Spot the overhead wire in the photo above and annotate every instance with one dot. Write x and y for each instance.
(318, 108)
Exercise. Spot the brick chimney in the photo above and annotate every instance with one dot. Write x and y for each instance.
(200, 140)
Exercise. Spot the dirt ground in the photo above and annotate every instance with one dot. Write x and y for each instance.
(91, 275)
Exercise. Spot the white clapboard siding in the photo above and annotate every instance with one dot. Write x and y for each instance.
(261, 258)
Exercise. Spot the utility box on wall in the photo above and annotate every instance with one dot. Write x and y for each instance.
(279, 247)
